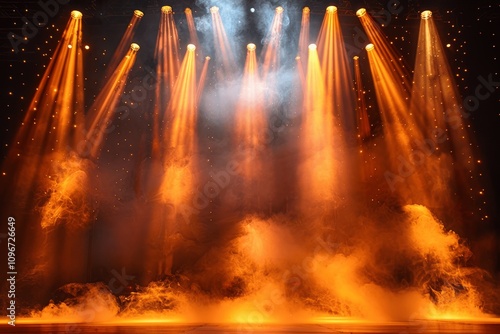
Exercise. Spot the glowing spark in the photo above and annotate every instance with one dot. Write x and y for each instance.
(214, 9)
(426, 14)
(361, 12)
(369, 47)
(166, 10)
(134, 47)
(331, 9)
(312, 47)
(251, 47)
(76, 14)
(138, 13)
(191, 47)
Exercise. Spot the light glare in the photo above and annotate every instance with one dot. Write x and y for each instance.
(191, 47)
(166, 9)
(134, 47)
(331, 9)
(251, 47)
(369, 47)
(76, 14)
(426, 14)
(361, 12)
(312, 47)
(138, 13)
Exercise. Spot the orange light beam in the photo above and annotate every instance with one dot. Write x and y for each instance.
(272, 45)
(183, 108)
(317, 175)
(304, 34)
(55, 115)
(223, 50)
(336, 70)
(386, 49)
(193, 35)
(250, 127)
(436, 104)
(125, 42)
(167, 70)
(102, 109)
(203, 77)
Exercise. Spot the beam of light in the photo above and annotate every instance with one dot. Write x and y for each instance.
(202, 80)
(336, 70)
(270, 64)
(125, 41)
(304, 34)
(317, 171)
(249, 127)
(101, 111)
(401, 136)
(386, 50)
(223, 51)
(435, 104)
(53, 123)
(193, 35)
(167, 69)
(177, 184)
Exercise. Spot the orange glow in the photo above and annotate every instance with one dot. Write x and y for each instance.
(193, 35)
(360, 12)
(272, 46)
(203, 77)
(101, 111)
(76, 15)
(249, 129)
(223, 49)
(386, 50)
(53, 123)
(125, 42)
(166, 10)
(331, 9)
(167, 69)
(426, 14)
(336, 71)
(304, 34)
(251, 47)
(317, 172)
(435, 104)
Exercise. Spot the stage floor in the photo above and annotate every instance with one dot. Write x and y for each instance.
(401, 328)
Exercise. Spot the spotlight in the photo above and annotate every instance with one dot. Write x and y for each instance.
(214, 9)
(252, 10)
(355, 57)
(312, 47)
(426, 14)
(134, 47)
(306, 10)
(251, 47)
(279, 9)
(361, 12)
(87, 47)
(166, 10)
(187, 10)
(331, 9)
(70, 46)
(297, 58)
(207, 57)
(76, 14)
(138, 13)
(191, 47)
(369, 47)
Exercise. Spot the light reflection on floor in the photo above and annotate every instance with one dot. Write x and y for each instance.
(401, 328)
